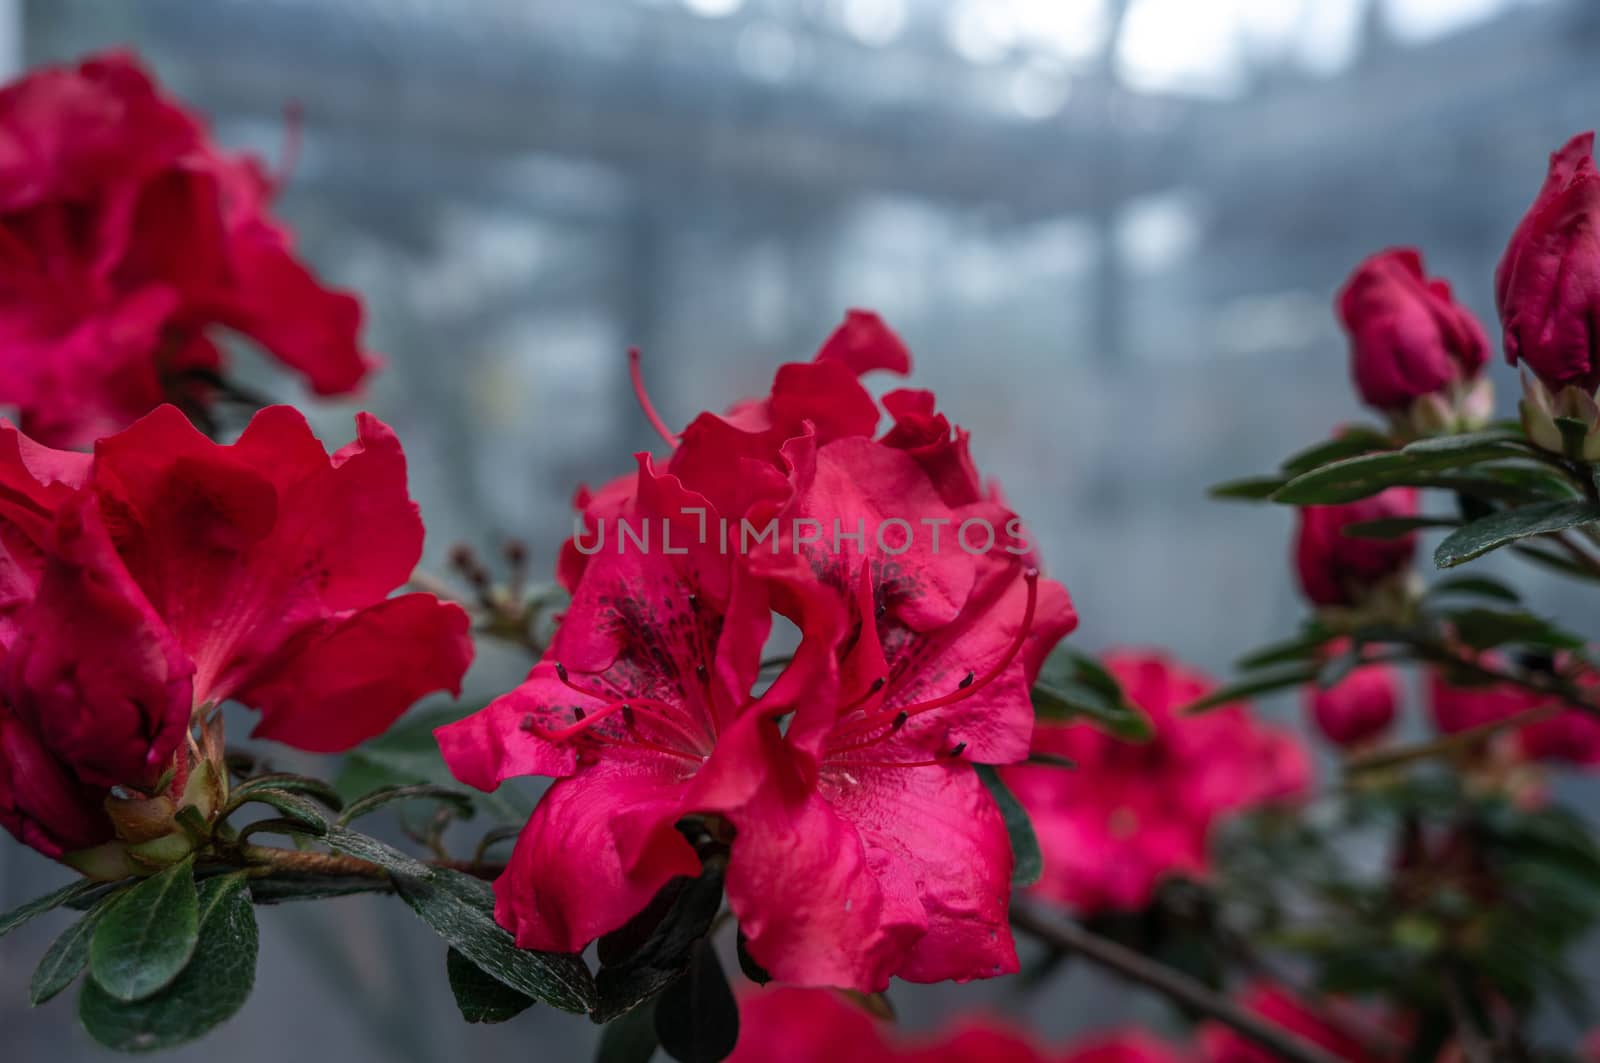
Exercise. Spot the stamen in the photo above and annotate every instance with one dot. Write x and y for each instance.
(644, 399)
(968, 686)
(872, 690)
(957, 750)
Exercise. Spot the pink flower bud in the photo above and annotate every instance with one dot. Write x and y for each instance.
(1409, 338)
(1547, 286)
(1338, 570)
(1357, 709)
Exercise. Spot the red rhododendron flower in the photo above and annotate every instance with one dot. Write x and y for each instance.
(815, 1026)
(170, 574)
(125, 235)
(1408, 335)
(1547, 286)
(1338, 570)
(864, 843)
(1357, 709)
(1335, 1027)
(1130, 815)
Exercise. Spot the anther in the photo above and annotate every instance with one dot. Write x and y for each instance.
(957, 750)
(561, 671)
(899, 720)
(967, 682)
(627, 715)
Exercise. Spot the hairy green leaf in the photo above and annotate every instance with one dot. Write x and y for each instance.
(147, 935)
(208, 992)
(482, 998)
(1498, 529)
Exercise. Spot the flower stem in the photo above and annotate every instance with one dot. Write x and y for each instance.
(302, 862)
(1071, 937)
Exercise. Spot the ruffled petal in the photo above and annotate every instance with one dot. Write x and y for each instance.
(41, 804)
(938, 847)
(349, 678)
(247, 550)
(93, 669)
(600, 845)
(500, 741)
(800, 881)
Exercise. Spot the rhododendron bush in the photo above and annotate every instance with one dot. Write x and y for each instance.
(803, 702)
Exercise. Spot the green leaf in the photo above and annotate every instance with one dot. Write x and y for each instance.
(1484, 629)
(630, 1037)
(697, 1018)
(277, 825)
(481, 997)
(1304, 647)
(1479, 586)
(209, 991)
(652, 950)
(1253, 686)
(370, 802)
(267, 891)
(1027, 861)
(1073, 686)
(460, 909)
(1247, 489)
(147, 935)
(294, 784)
(290, 805)
(1394, 527)
(1359, 477)
(1352, 442)
(1498, 529)
(65, 960)
(373, 851)
(50, 901)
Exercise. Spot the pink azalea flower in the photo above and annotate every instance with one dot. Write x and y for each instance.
(1130, 815)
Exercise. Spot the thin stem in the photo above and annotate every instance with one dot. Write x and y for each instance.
(1464, 739)
(1071, 937)
(302, 862)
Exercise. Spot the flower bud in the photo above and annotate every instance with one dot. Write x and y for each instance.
(1338, 570)
(1359, 708)
(1416, 354)
(1547, 286)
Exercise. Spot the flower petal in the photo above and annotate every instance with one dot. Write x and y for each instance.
(598, 848)
(93, 669)
(800, 881)
(350, 678)
(938, 846)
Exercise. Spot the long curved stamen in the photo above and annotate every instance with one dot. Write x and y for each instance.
(952, 757)
(662, 712)
(870, 693)
(645, 404)
(896, 718)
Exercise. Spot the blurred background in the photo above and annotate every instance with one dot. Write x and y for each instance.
(1110, 230)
